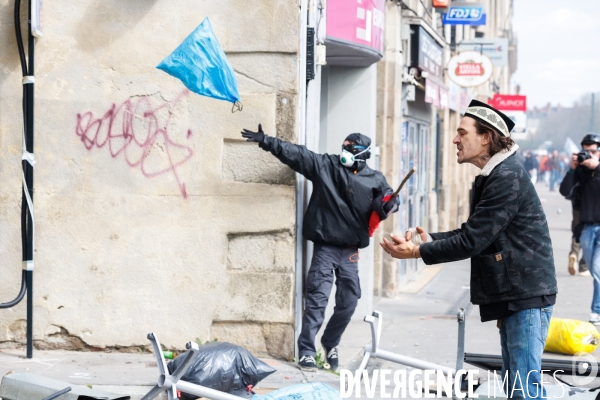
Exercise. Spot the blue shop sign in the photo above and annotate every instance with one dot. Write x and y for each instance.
(461, 13)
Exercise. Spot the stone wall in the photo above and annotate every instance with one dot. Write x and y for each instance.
(152, 215)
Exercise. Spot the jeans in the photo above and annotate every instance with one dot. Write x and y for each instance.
(554, 179)
(590, 245)
(523, 337)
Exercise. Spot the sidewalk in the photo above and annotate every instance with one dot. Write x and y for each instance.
(421, 325)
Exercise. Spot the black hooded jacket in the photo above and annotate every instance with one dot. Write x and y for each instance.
(343, 198)
(506, 237)
(583, 185)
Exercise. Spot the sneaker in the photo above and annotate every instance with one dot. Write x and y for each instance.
(307, 363)
(595, 319)
(572, 262)
(332, 357)
(585, 273)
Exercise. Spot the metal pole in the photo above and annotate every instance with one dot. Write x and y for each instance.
(300, 181)
(409, 361)
(460, 354)
(58, 394)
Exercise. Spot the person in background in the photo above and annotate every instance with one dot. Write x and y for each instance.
(575, 256)
(544, 169)
(582, 181)
(531, 166)
(554, 164)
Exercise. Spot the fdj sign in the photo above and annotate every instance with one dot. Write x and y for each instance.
(465, 14)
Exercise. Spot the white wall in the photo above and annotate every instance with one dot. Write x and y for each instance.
(349, 105)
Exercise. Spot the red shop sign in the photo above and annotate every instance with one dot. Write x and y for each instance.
(506, 102)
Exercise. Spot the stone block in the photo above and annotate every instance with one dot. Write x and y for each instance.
(261, 252)
(258, 166)
(246, 334)
(257, 297)
(261, 339)
(253, 75)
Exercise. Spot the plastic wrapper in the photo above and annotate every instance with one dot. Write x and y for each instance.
(302, 391)
(222, 366)
(569, 336)
(200, 63)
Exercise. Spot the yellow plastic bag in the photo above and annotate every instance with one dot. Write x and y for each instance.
(569, 336)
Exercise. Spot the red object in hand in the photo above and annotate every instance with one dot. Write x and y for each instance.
(375, 219)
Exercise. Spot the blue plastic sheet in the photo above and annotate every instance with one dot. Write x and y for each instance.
(302, 391)
(200, 63)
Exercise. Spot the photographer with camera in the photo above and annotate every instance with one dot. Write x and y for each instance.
(583, 181)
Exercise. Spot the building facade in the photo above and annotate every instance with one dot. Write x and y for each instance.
(419, 108)
(153, 215)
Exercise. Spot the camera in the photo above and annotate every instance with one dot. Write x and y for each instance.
(583, 155)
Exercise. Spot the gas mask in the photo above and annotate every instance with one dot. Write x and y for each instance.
(349, 153)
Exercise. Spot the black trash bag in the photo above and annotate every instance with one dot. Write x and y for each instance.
(222, 366)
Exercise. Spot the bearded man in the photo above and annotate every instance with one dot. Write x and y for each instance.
(506, 236)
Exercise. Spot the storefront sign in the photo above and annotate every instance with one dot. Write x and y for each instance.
(436, 93)
(426, 53)
(506, 102)
(470, 68)
(495, 49)
(357, 22)
(463, 13)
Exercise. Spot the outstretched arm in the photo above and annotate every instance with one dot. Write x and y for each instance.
(297, 157)
(492, 214)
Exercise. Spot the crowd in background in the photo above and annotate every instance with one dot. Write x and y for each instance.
(548, 168)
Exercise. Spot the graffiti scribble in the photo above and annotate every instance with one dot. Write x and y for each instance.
(138, 130)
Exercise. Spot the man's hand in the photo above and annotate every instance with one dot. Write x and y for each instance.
(574, 162)
(400, 247)
(254, 136)
(591, 163)
(420, 231)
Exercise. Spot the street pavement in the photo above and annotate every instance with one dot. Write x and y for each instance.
(421, 325)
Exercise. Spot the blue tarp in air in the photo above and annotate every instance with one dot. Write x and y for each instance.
(200, 63)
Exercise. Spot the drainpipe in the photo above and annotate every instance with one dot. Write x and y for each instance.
(28, 160)
(300, 180)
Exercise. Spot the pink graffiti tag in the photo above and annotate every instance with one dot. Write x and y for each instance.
(138, 129)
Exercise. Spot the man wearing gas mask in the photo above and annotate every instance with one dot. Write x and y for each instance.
(582, 181)
(345, 193)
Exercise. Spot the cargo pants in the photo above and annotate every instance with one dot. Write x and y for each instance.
(329, 260)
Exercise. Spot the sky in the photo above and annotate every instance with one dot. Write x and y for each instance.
(558, 50)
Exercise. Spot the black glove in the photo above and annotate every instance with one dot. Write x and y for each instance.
(389, 205)
(254, 136)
